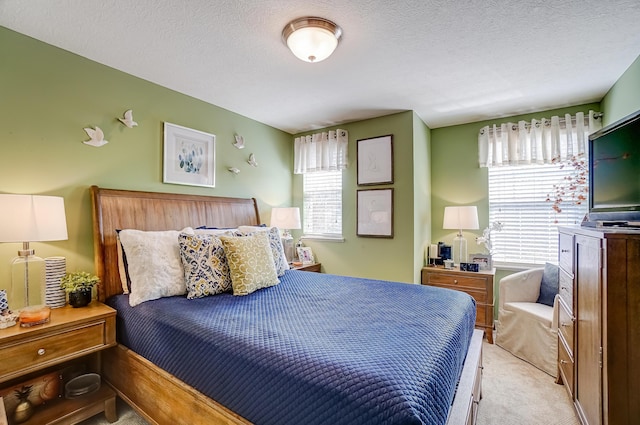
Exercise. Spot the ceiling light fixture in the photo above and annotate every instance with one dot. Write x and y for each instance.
(311, 39)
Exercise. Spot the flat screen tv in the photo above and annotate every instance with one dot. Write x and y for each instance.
(614, 173)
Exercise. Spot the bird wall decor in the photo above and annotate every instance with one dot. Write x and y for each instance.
(234, 170)
(127, 119)
(97, 137)
(252, 160)
(239, 142)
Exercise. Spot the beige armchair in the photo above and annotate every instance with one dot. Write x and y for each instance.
(525, 328)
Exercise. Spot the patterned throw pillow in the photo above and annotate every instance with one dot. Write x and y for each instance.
(250, 262)
(153, 264)
(206, 270)
(275, 242)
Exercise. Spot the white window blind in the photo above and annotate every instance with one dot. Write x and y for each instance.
(322, 204)
(517, 198)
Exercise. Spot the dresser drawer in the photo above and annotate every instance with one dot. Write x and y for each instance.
(36, 353)
(566, 290)
(565, 258)
(457, 281)
(565, 366)
(478, 295)
(566, 326)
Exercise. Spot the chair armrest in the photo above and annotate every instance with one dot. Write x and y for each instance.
(522, 286)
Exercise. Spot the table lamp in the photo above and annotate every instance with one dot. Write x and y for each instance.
(464, 217)
(30, 218)
(285, 219)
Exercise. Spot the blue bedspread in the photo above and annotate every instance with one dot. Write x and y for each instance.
(315, 349)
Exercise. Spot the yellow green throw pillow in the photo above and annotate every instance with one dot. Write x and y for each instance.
(250, 262)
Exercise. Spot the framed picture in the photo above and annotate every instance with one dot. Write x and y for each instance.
(305, 255)
(483, 259)
(375, 213)
(189, 156)
(375, 160)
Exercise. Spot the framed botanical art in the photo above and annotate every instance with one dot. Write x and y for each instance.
(375, 160)
(375, 213)
(189, 156)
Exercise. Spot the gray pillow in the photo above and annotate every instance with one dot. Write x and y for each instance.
(549, 285)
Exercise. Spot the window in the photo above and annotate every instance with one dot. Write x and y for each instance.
(322, 204)
(517, 198)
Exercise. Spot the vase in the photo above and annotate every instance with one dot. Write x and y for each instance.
(80, 298)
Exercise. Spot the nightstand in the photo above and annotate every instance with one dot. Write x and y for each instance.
(72, 335)
(477, 284)
(315, 267)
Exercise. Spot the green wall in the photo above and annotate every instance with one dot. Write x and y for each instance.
(49, 95)
(378, 258)
(456, 178)
(624, 97)
(421, 193)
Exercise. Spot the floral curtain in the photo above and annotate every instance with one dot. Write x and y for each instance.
(326, 151)
(538, 141)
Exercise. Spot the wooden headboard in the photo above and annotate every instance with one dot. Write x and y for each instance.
(126, 209)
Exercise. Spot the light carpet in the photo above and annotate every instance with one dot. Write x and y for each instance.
(513, 392)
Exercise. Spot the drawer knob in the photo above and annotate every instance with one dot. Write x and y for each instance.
(455, 281)
(41, 352)
(563, 362)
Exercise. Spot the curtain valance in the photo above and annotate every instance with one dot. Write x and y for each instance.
(326, 151)
(538, 141)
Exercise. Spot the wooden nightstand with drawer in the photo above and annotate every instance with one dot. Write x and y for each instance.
(313, 267)
(477, 284)
(72, 335)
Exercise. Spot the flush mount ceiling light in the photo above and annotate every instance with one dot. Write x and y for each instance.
(311, 39)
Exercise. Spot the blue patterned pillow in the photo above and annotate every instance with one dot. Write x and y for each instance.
(549, 285)
(206, 269)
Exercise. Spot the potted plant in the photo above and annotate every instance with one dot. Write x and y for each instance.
(79, 285)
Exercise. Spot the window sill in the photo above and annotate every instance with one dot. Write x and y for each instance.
(320, 238)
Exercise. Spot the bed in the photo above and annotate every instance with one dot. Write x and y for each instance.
(413, 363)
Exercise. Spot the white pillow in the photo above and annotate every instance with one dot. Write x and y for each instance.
(275, 242)
(153, 264)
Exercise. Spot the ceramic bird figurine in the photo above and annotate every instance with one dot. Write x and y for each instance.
(128, 119)
(234, 170)
(252, 160)
(97, 137)
(239, 142)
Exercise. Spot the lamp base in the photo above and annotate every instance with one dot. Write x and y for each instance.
(34, 315)
(27, 282)
(459, 249)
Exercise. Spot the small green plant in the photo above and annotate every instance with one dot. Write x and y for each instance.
(78, 281)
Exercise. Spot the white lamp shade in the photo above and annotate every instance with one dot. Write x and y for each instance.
(32, 218)
(465, 217)
(286, 218)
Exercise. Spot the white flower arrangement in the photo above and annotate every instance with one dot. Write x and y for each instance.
(485, 239)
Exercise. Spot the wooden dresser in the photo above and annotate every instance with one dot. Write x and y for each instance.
(599, 323)
(477, 284)
(72, 335)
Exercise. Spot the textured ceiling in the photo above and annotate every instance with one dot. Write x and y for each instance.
(451, 62)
